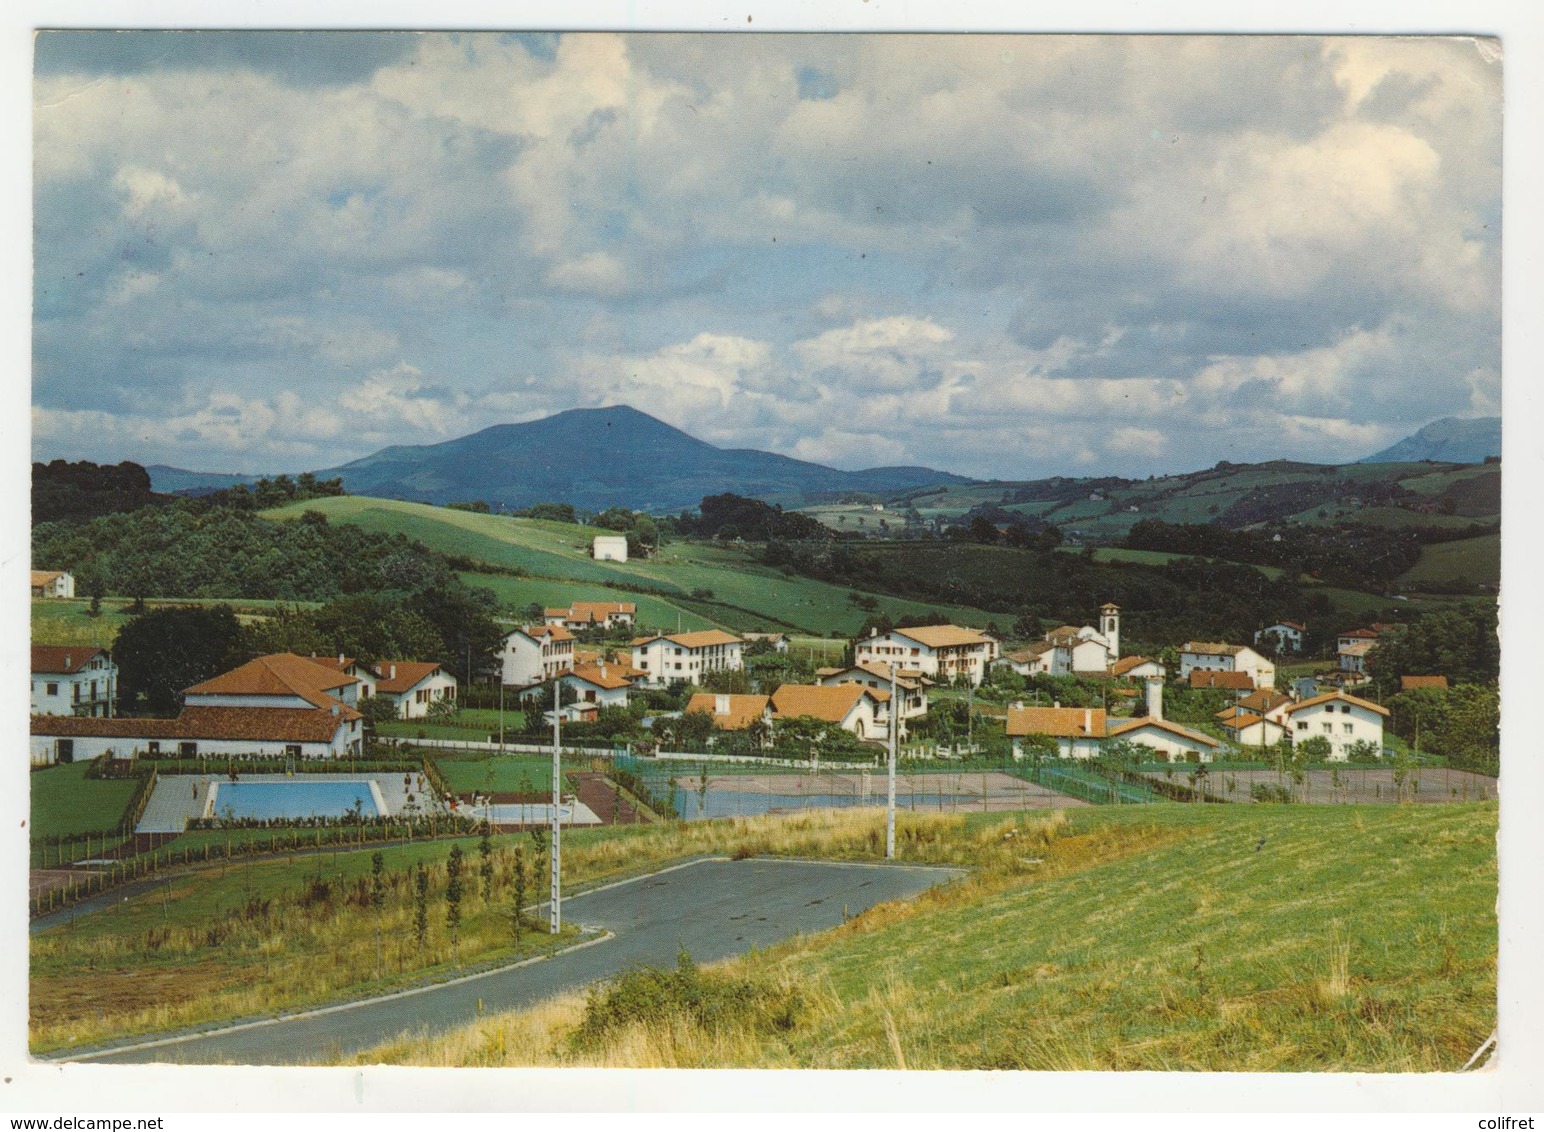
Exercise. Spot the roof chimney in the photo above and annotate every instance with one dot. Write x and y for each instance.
(720, 705)
(1155, 697)
(341, 659)
(393, 674)
(1056, 703)
(1088, 721)
(66, 662)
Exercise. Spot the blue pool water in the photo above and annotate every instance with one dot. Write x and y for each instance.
(293, 799)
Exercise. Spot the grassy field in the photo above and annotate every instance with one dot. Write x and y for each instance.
(715, 585)
(1469, 562)
(68, 621)
(1149, 938)
(66, 802)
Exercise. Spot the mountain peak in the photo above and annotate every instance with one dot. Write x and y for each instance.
(1451, 440)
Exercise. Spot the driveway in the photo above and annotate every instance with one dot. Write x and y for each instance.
(713, 908)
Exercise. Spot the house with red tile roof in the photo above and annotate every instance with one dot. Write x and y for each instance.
(413, 686)
(668, 658)
(732, 712)
(1414, 683)
(52, 583)
(73, 680)
(943, 652)
(853, 707)
(1217, 656)
(592, 615)
(600, 684)
(1343, 719)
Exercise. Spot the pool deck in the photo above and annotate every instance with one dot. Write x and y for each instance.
(181, 798)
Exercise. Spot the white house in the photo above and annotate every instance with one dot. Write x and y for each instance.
(73, 680)
(1210, 656)
(1249, 729)
(686, 656)
(943, 652)
(778, 641)
(592, 615)
(1353, 656)
(1343, 720)
(1355, 636)
(910, 687)
(1287, 634)
(1077, 650)
(535, 653)
(52, 583)
(1077, 732)
(413, 686)
(350, 667)
(1036, 657)
(598, 684)
(1138, 668)
(863, 711)
(610, 548)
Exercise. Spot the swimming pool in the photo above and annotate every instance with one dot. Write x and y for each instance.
(297, 799)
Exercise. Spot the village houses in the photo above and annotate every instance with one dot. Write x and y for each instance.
(856, 708)
(1210, 656)
(910, 685)
(600, 684)
(732, 712)
(1286, 635)
(276, 706)
(942, 652)
(593, 615)
(52, 583)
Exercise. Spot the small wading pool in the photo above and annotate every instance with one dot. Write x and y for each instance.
(265, 800)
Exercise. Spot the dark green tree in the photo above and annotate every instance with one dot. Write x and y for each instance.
(165, 651)
(453, 894)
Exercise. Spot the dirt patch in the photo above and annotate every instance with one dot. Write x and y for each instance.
(60, 999)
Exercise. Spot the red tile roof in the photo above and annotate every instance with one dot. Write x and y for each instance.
(602, 676)
(397, 676)
(1063, 723)
(63, 660)
(1126, 726)
(1234, 681)
(943, 636)
(828, 702)
(743, 710)
(1340, 697)
(701, 639)
(1408, 683)
(279, 674)
(1126, 663)
(241, 724)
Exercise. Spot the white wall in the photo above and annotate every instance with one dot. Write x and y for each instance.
(414, 703)
(65, 699)
(44, 748)
(1341, 723)
(527, 662)
(610, 548)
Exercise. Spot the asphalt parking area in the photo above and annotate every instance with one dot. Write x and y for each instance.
(713, 908)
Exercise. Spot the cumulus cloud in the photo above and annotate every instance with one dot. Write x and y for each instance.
(1006, 256)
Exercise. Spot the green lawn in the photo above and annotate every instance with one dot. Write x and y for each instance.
(654, 612)
(66, 802)
(504, 773)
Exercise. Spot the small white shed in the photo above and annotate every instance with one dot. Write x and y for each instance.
(610, 548)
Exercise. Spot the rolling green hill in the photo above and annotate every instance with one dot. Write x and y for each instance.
(706, 584)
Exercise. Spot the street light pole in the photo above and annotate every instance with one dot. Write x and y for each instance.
(555, 914)
(890, 774)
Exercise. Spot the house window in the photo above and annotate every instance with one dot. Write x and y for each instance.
(1329, 728)
(1346, 727)
(187, 750)
(153, 747)
(53, 689)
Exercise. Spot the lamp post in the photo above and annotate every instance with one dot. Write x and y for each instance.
(555, 914)
(890, 773)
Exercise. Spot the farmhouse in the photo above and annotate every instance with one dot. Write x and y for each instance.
(1355, 636)
(732, 712)
(593, 615)
(1286, 636)
(535, 653)
(413, 686)
(1344, 720)
(276, 706)
(610, 548)
(863, 711)
(1037, 657)
(910, 685)
(52, 583)
(1353, 657)
(1211, 656)
(686, 656)
(73, 680)
(598, 684)
(1077, 732)
(944, 652)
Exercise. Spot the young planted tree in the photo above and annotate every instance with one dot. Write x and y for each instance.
(453, 894)
(378, 901)
(485, 866)
(421, 908)
(517, 917)
(1314, 749)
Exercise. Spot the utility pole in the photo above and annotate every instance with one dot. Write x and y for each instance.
(890, 775)
(555, 914)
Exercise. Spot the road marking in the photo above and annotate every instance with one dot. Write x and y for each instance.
(320, 1011)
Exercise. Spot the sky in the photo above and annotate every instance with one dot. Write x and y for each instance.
(1001, 256)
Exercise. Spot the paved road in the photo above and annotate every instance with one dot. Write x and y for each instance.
(713, 908)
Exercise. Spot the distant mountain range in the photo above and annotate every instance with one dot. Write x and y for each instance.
(592, 458)
(1452, 440)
